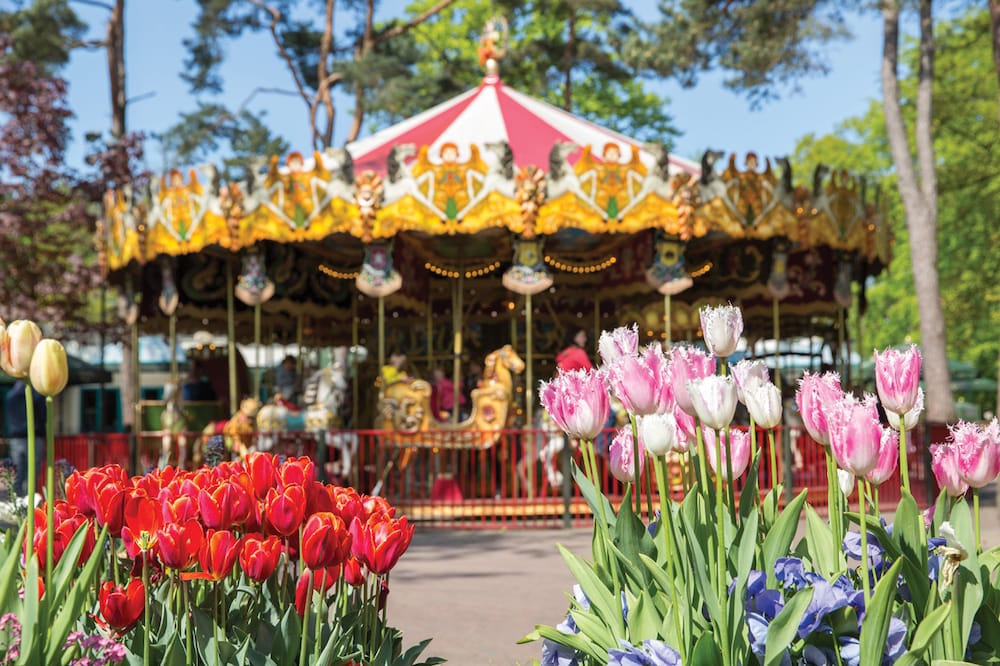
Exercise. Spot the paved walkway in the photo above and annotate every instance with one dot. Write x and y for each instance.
(475, 593)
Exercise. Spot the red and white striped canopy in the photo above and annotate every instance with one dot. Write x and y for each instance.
(494, 112)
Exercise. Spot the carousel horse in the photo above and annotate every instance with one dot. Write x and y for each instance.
(324, 396)
(173, 424)
(237, 432)
(554, 441)
(406, 407)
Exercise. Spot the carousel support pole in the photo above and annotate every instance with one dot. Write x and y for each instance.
(136, 381)
(776, 331)
(840, 340)
(667, 321)
(299, 329)
(172, 328)
(529, 392)
(354, 372)
(597, 321)
(381, 346)
(256, 351)
(456, 368)
(231, 345)
(430, 333)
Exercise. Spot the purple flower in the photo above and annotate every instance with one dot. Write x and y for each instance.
(825, 600)
(895, 642)
(790, 572)
(757, 631)
(652, 653)
(555, 654)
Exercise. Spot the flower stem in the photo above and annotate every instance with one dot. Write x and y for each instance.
(29, 410)
(730, 484)
(636, 466)
(305, 624)
(605, 555)
(904, 469)
(975, 514)
(721, 564)
(753, 439)
(774, 458)
(146, 612)
(667, 529)
(864, 547)
(50, 489)
(319, 614)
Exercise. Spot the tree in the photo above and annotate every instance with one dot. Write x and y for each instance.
(48, 268)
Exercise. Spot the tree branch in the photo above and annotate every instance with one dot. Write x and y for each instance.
(95, 3)
(403, 28)
(273, 27)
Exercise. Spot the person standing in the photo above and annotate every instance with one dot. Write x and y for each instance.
(16, 415)
(574, 353)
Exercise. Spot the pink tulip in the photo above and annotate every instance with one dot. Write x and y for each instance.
(687, 433)
(855, 434)
(739, 446)
(577, 401)
(641, 382)
(897, 378)
(746, 369)
(621, 453)
(888, 458)
(763, 401)
(944, 464)
(978, 454)
(911, 418)
(623, 341)
(657, 433)
(721, 327)
(686, 365)
(817, 394)
(714, 400)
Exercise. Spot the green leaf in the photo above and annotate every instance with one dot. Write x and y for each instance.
(604, 603)
(593, 497)
(29, 616)
(72, 607)
(908, 530)
(593, 627)
(785, 626)
(700, 565)
(822, 551)
(286, 640)
(875, 626)
(628, 534)
(928, 627)
(779, 539)
(8, 571)
(643, 620)
(749, 494)
(706, 652)
(575, 641)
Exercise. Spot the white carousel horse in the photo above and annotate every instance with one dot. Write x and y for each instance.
(324, 396)
(173, 423)
(548, 454)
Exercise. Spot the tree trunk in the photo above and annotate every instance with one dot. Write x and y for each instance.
(116, 68)
(919, 200)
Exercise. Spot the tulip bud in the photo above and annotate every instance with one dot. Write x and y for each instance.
(17, 345)
(846, 481)
(622, 458)
(911, 417)
(763, 401)
(714, 400)
(658, 433)
(49, 371)
(897, 378)
(722, 327)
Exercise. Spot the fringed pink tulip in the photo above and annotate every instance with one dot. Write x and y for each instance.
(888, 458)
(763, 401)
(577, 401)
(621, 453)
(687, 433)
(739, 446)
(816, 395)
(944, 464)
(641, 382)
(613, 345)
(911, 418)
(855, 434)
(978, 454)
(714, 400)
(721, 327)
(746, 370)
(897, 378)
(686, 365)
(657, 433)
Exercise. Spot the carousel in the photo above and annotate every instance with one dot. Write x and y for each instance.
(482, 231)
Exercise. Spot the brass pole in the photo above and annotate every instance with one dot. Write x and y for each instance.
(231, 345)
(667, 320)
(256, 351)
(381, 345)
(840, 341)
(777, 342)
(456, 369)
(430, 332)
(597, 321)
(354, 372)
(137, 395)
(529, 400)
(172, 323)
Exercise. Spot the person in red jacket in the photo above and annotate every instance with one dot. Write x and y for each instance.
(574, 354)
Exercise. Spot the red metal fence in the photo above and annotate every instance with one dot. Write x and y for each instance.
(485, 480)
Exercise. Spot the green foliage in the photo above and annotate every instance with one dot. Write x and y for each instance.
(967, 135)
(42, 31)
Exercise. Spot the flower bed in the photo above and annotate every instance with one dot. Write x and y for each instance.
(716, 581)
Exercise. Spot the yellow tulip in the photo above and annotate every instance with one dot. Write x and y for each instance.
(17, 344)
(49, 369)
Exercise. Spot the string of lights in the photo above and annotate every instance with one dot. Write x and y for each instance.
(471, 273)
(580, 268)
(701, 271)
(337, 275)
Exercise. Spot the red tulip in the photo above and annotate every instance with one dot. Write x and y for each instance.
(122, 607)
(179, 509)
(285, 510)
(216, 556)
(325, 541)
(179, 543)
(318, 498)
(77, 494)
(65, 528)
(353, 573)
(380, 542)
(110, 503)
(376, 506)
(260, 466)
(223, 505)
(259, 556)
(298, 471)
(346, 503)
(142, 520)
(312, 581)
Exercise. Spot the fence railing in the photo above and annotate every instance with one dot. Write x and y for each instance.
(488, 479)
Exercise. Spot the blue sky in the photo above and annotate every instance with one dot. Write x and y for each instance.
(708, 115)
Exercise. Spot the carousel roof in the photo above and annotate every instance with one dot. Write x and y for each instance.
(492, 113)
